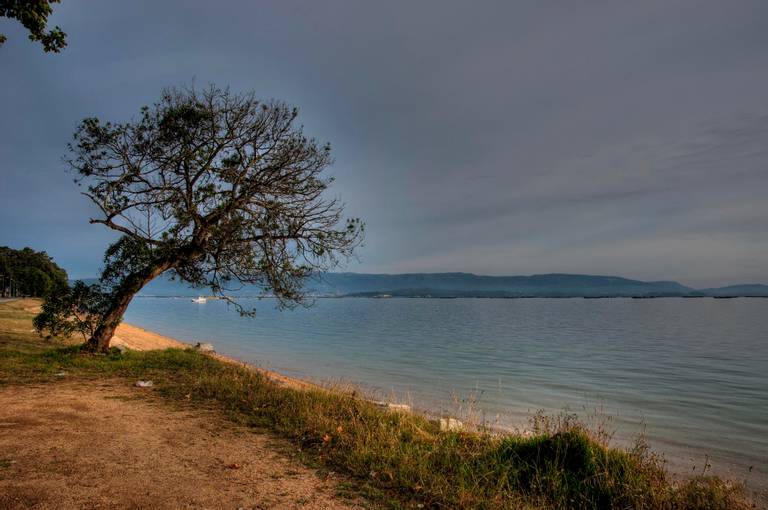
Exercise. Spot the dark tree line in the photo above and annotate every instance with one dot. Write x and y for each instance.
(27, 272)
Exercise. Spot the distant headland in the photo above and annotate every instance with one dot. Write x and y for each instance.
(461, 285)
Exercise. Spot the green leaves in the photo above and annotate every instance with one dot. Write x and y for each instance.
(78, 309)
(33, 273)
(33, 14)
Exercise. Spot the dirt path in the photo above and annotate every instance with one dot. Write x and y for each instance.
(68, 446)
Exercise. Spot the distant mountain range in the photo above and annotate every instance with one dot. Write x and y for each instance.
(466, 284)
(450, 285)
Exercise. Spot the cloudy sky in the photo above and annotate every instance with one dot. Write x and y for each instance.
(626, 138)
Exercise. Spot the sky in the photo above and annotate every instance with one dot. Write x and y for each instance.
(621, 138)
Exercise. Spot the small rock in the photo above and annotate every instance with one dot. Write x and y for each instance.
(144, 384)
(405, 408)
(204, 347)
(61, 374)
(450, 425)
(123, 349)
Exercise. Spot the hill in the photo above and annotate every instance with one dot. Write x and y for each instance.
(456, 285)
(743, 290)
(472, 285)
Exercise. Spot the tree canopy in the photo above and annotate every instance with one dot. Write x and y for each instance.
(219, 189)
(33, 273)
(33, 14)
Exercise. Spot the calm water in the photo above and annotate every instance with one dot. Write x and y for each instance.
(693, 373)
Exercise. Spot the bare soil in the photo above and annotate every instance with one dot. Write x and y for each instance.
(105, 445)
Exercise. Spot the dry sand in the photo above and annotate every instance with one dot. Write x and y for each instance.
(140, 339)
(104, 445)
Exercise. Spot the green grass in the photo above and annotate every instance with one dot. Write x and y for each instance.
(401, 459)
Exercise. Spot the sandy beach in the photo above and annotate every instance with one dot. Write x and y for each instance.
(140, 339)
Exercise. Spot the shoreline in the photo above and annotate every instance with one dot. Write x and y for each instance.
(140, 339)
(137, 338)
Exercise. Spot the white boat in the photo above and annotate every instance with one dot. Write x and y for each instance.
(199, 299)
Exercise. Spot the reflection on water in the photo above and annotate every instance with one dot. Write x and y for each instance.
(694, 372)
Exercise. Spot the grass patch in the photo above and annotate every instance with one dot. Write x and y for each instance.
(401, 458)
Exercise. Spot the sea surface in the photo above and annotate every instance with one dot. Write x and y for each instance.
(690, 374)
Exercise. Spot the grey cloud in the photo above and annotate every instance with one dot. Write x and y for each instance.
(494, 137)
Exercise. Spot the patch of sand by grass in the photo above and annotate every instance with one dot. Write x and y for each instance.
(140, 339)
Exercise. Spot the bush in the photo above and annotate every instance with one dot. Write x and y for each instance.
(78, 309)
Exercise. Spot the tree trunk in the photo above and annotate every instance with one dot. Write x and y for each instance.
(122, 298)
(103, 335)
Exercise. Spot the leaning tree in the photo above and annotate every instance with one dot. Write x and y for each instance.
(217, 188)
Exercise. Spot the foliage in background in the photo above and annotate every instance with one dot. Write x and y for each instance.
(34, 273)
(33, 14)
